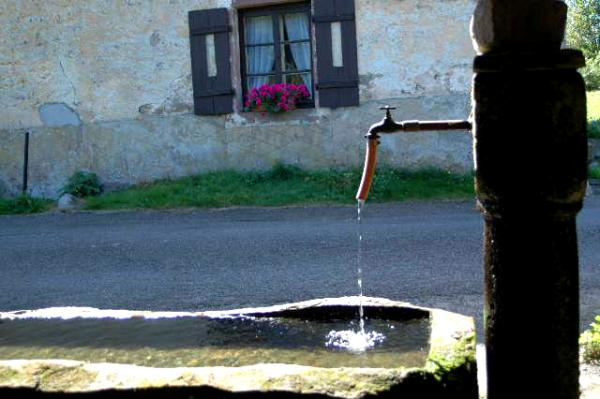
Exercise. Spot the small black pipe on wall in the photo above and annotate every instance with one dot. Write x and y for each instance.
(25, 163)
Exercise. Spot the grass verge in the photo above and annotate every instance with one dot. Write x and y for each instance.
(24, 204)
(593, 110)
(285, 185)
(593, 105)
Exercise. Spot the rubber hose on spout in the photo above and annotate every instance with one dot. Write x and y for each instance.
(369, 169)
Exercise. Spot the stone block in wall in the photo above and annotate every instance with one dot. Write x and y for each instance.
(294, 144)
(4, 191)
(11, 161)
(55, 153)
(348, 126)
(154, 148)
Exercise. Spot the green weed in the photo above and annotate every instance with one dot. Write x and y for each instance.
(24, 204)
(589, 342)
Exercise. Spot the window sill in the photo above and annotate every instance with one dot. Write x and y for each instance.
(297, 116)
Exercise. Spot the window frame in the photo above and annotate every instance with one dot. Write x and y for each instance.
(275, 12)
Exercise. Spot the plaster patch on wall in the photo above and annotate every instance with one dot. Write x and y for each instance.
(58, 114)
(367, 83)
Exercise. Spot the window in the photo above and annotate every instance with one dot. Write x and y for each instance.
(276, 47)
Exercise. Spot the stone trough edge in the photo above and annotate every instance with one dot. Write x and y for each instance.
(452, 347)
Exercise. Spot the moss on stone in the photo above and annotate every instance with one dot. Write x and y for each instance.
(10, 377)
(452, 360)
(443, 360)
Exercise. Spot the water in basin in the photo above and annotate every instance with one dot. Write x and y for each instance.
(202, 341)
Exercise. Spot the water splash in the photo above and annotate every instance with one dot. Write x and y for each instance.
(354, 341)
(361, 340)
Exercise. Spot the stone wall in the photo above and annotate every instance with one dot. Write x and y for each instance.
(106, 86)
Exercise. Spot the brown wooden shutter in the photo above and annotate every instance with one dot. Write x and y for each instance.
(337, 86)
(212, 95)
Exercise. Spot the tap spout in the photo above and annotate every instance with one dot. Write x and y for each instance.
(369, 168)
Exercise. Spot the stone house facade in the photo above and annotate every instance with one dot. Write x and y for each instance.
(108, 86)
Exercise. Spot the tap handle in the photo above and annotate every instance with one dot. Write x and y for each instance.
(387, 109)
(387, 124)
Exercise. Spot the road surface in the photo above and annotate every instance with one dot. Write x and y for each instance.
(426, 253)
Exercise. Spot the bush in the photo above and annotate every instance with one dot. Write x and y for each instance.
(591, 73)
(594, 173)
(583, 32)
(83, 184)
(589, 343)
(594, 129)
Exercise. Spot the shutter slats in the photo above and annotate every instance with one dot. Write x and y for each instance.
(212, 95)
(338, 86)
(334, 18)
(210, 29)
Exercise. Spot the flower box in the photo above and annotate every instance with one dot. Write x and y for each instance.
(275, 98)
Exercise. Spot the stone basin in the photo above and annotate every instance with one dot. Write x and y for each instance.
(447, 369)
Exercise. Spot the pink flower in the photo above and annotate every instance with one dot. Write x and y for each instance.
(277, 97)
(304, 91)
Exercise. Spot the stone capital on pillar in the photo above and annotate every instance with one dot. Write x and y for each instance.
(518, 25)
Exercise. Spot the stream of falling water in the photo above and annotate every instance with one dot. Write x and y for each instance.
(361, 340)
(361, 312)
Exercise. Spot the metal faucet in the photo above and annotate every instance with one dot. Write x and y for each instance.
(388, 125)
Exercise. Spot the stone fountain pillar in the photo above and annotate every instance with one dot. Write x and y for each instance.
(530, 156)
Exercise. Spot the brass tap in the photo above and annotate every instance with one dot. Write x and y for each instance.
(388, 125)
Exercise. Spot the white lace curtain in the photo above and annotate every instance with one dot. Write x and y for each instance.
(260, 59)
(298, 29)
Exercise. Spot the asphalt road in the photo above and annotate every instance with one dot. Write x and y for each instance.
(429, 254)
